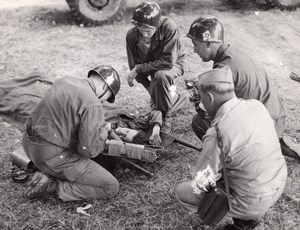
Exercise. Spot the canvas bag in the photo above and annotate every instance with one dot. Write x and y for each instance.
(216, 203)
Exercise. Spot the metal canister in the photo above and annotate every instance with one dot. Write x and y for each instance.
(20, 159)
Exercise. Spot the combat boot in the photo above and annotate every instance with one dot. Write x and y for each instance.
(289, 148)
(41, 185)
(240, 224)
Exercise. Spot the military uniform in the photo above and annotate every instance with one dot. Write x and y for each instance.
(63, 132)
(251, 82)
(162, 60)
(256, 169)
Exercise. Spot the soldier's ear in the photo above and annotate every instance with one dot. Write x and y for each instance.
(211, 97)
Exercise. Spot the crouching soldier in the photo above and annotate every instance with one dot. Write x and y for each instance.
(65, 131)
(156, 58)
(256, 169)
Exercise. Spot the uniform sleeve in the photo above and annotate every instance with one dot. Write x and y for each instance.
(130, 49)
(210, 154)
(155, 117)
(169, 53)
(91, 135)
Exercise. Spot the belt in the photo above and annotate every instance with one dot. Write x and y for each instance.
(35, 139)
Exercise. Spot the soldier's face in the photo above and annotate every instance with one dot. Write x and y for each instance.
(147, 32)
(102, 90)
(202, 49)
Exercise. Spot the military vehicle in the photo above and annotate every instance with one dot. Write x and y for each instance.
(97, 12)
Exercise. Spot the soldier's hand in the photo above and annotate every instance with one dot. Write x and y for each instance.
(155, 140)
(107, 127)
(130, 81)
(131, 76)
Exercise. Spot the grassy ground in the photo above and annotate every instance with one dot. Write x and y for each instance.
(45, 38)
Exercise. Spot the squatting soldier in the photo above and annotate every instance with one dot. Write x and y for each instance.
(155, 57)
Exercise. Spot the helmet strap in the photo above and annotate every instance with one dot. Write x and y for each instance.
(104, 92)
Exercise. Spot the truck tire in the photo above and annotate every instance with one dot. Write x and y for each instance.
(97, 12)
(287, 4)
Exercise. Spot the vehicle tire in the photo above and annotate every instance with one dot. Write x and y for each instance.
(97, 12)
(287, 4)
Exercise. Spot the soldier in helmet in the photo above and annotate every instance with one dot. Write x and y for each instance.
(250, 79)
(155, 57)
(65, 131)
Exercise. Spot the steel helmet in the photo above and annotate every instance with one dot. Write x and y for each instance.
(207, 29)
(147, 14)
(110, 76)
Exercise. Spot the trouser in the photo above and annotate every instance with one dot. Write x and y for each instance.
(159, 87)
(201, 124)
(79, 177)
(243, 208)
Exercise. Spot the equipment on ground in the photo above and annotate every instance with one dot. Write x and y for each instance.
(168, 139)
(22, 166)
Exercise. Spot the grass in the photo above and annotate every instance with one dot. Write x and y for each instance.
(45, 38)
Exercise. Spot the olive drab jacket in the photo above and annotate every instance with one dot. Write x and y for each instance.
(70, 115)
(256, 168)
(165, 49)
(250, 79)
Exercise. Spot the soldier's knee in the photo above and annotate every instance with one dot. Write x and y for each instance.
(179, 191)
(113, 189)
(160, 76)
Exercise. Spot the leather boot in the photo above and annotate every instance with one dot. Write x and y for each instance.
(289, 148)
(41, 185)
(240, 224)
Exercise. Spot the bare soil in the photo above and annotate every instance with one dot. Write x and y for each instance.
(41, 35)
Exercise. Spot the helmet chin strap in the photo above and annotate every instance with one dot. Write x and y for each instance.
(104, 92)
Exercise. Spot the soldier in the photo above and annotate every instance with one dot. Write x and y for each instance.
(256, 169)
(65, 131)
(250, 79)
(155, 58)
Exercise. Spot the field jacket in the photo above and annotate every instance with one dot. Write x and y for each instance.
(165, 50)
(70, 116)
(256, 168)
(250, 79)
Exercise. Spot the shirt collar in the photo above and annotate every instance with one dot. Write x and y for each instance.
(221, 50)
(225, 109)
